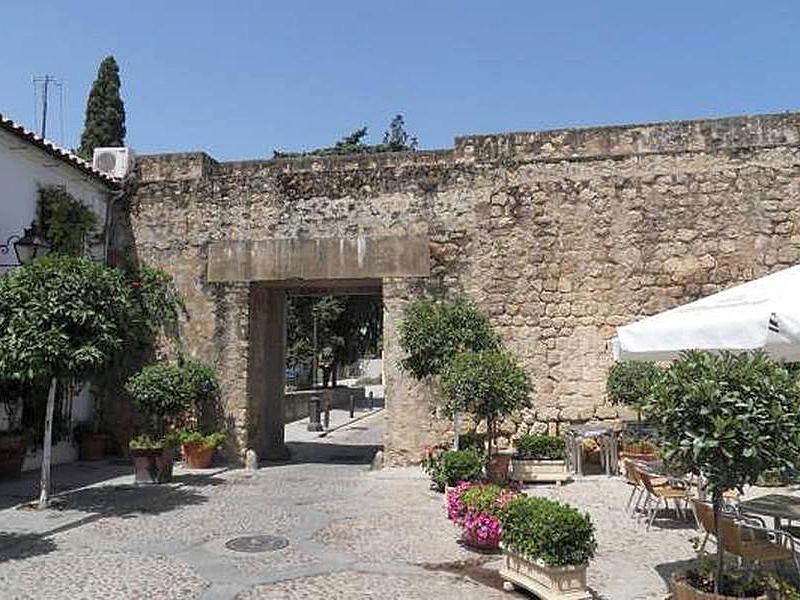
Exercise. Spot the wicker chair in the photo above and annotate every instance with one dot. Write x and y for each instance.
(747, 538)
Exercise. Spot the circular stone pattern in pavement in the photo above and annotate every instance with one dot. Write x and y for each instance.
(257, 543)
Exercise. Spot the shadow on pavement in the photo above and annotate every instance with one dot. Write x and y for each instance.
(64, 478)
(325, 452)
(18, 546)
(128, 501)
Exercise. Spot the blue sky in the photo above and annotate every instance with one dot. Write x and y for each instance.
(240, 78)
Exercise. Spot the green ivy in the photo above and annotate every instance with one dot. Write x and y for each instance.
(66, 223)
(555, 533)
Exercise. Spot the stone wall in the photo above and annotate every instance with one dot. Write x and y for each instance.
(559, 236)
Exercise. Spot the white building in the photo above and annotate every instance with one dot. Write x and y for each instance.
(28, 162)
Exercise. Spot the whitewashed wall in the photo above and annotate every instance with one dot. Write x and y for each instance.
(23, 169)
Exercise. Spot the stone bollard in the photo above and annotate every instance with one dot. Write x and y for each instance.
(314, 407)
(251, 461)
(352, 405)
(326, 417)
(371, 400)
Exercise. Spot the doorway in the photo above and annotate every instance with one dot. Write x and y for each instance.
(317, 342)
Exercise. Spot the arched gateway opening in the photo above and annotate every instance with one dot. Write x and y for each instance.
(278, 268)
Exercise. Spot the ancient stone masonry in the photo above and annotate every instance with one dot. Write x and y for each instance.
(559, 236)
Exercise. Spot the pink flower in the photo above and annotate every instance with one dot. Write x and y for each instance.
(482, 530)
(455, 507)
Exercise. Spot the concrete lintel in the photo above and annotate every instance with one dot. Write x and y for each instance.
(318, 259)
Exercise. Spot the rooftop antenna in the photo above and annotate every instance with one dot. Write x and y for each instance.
(45, 81)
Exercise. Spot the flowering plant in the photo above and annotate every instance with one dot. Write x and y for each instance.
(455, 506)
(482, 530)
(475, 507)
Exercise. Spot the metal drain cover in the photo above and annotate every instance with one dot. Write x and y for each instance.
(257, 543)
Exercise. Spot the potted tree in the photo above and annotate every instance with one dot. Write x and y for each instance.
(61, 318)
(539, 457)
(491, 385)
(432, 333)
(727, 418)
(631, 383)
(546, 548)
(198, 442)
(161, 395)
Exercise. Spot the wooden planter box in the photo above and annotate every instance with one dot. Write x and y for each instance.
(681, 590)
(539, 470)
(93, 446)
(548, 583)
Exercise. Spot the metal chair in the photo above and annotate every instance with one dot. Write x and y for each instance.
(747, 537)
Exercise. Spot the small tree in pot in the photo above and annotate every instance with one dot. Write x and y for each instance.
(491, 385)
(198, 441)
(728, 418)
(161, 395)
(433, 333)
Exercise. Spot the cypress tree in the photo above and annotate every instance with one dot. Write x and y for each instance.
(105, 112)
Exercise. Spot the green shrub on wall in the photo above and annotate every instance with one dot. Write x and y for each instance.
(66, 223)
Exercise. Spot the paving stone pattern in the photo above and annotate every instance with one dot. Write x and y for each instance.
(353, 533)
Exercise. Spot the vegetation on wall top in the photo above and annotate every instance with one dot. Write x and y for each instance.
(395, 139)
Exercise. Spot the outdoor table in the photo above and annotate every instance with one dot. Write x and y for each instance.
(777, 506)
(606, 439)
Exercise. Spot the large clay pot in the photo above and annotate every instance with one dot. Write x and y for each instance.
(195, 456)
(12, 455)
(93, 446)
(152, 466)
(497, 468)
(681, 590)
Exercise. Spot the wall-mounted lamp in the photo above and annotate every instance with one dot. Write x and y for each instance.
(28, 247)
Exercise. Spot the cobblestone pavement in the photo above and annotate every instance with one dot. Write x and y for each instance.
(351, 532)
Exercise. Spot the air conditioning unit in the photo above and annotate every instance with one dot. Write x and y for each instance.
(116, 162)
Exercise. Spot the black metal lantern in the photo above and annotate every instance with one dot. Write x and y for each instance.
(30, 246)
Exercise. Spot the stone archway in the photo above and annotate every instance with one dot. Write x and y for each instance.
(271, 268)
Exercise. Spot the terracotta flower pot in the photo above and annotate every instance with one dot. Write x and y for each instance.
(195, 456)
(152, 466)
(93, 446)
(12, 454)
(497, 468)
(683, 590)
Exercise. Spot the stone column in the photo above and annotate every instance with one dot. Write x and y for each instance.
(267, 369)
(409, 421)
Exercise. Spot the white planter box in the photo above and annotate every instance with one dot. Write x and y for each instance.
(539, 470)
(549, 583)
